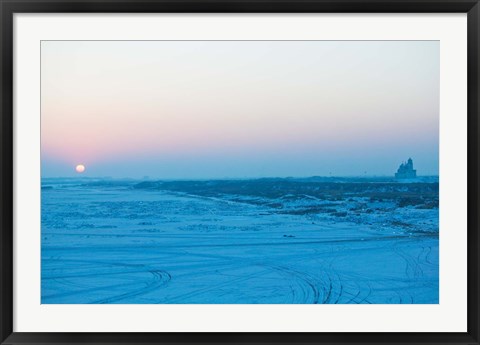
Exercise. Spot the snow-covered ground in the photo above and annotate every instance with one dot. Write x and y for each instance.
(128, 242)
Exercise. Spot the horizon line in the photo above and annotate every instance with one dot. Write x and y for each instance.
(150, 178)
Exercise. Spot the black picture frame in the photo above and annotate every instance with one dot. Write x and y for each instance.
(9, 7)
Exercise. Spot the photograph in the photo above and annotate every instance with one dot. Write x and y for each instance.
(240, 172)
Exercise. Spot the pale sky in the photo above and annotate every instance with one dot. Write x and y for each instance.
(216, 109)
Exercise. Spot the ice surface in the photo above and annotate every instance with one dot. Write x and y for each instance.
(258, 241)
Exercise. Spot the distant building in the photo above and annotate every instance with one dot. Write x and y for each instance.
(405, 170)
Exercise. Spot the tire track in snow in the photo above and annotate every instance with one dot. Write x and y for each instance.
(159, 279)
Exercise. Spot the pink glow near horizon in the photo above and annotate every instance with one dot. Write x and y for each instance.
(121, 100)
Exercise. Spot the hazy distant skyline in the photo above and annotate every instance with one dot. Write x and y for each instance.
(216, 109)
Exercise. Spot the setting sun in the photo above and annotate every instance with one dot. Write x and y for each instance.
(80, 168)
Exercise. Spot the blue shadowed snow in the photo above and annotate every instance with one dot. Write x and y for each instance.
(313, 240)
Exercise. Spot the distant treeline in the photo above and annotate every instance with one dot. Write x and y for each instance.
(403, 193)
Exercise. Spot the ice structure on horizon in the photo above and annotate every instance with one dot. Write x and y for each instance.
(405, 170)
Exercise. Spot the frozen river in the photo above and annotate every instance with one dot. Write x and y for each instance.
(116, 243)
